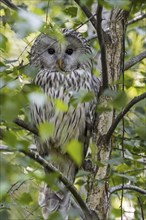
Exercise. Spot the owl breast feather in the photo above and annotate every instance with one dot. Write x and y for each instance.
(68, 124)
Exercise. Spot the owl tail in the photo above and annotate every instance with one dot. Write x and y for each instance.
(51, 202)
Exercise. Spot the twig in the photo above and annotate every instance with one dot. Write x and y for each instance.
(121, 115)
(85, 22)
(102, 47)
(141, 207)
(87, 13)
(135, 60)
(94, 36)
(49, 167)
(129, 187)
(9, 4)
(26, 126)
(137, 18)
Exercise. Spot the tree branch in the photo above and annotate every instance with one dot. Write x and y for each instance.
(137, 18)
(94, 36)
(121, 115)
(89, 19)
(129, 187)
(26, 126)
(102, 47)
(49, 167)
(141, 207)
(87, 13)
(135, 60)
(10, 4)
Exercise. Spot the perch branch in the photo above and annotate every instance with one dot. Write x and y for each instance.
(141, 207)
(9, 4)
(135, 60)
(36, 157)
(129, 187)
(102, 47)
(137, 18)
(26, 126)
(121, 115)
(87, 13)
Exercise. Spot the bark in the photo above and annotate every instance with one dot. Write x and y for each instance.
(98, 192)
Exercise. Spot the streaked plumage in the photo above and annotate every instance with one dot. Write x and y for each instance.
(62, 74)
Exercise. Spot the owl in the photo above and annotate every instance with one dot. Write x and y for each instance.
(64, 69)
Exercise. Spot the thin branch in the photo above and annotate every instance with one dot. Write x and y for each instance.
(141, 207)
(49, 167)
(102, 47)
(85, 22)
(137, 18)
(121, 115)
(129, 187)
(9, 4)
(87, 13)
(135, 60)
(26, 126)
(94, 36)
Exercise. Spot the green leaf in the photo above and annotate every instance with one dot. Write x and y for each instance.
(51, 180)
(3, 42)
(55, 216)
(25, 198)
(131, 178)
(71, 11)
(116, 161)
(26, 23)
(61, 105)
(46, 130)
(11, 139)
(75, 150)
(122, 167)
(81, 97)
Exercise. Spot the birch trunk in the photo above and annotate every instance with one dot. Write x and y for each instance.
(98, 193)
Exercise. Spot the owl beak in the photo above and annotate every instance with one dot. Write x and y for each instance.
(60, 64)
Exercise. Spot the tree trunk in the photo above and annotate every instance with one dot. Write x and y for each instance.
(98, 193)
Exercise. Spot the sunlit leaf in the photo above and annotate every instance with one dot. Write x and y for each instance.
(75, 150)
(61, 105)
(46, 130)
(3, 42)
(37, 98)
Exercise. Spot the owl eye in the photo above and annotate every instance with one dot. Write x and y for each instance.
(69, 51)
(51, 51)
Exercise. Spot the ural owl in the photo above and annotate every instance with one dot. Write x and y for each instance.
(65, 68)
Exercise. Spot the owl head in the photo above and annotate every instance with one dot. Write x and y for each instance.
(70, 54)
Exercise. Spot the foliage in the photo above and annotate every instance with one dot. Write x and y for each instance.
(21, 176)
